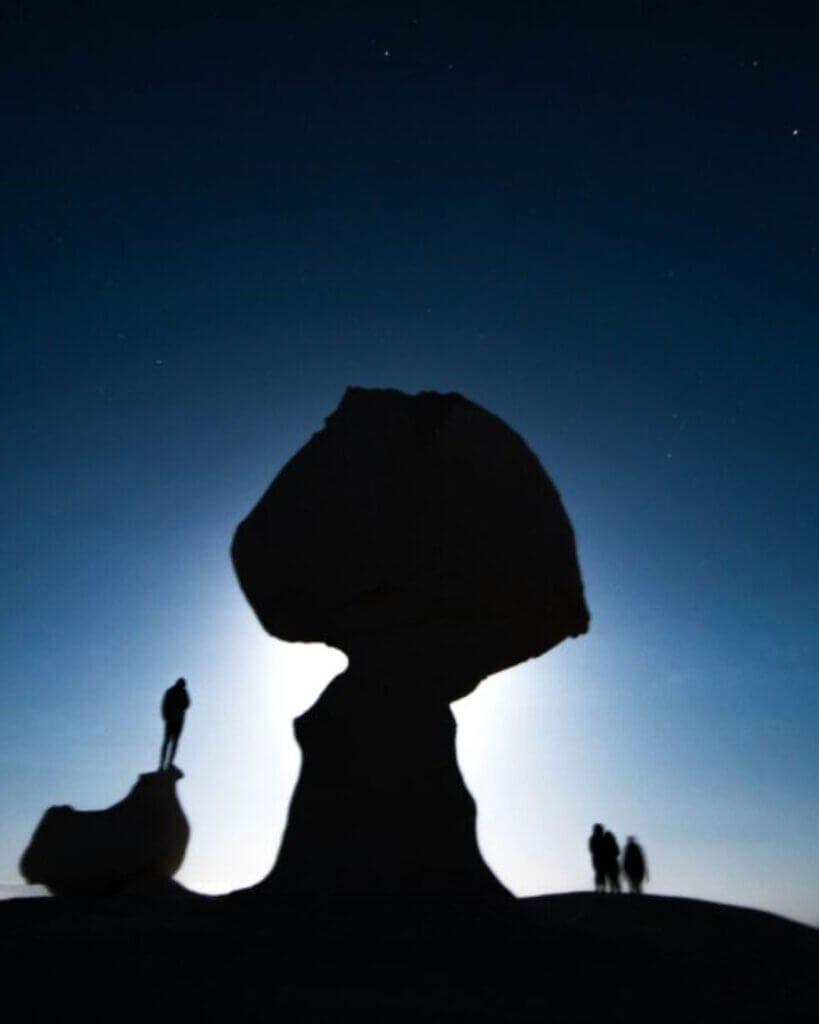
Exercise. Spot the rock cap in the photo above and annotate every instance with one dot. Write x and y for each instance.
(418, 523)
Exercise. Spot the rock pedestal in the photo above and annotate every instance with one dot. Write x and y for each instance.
(98, 853)
(380, 807)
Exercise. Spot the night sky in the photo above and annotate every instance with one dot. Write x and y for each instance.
(600, 221)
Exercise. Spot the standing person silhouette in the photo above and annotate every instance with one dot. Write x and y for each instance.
(598, 857)
(634, 865)
(174, 705)
(611, 861)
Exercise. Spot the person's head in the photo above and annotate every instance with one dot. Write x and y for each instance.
(180, 683)
(597, 829)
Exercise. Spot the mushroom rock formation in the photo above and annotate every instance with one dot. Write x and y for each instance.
(99, 853)
(421, 536)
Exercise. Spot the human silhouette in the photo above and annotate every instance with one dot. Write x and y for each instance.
(174, 705)
(598, 856)
(634, 865)
(611, 861)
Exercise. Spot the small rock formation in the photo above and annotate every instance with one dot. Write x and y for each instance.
(99, 853)
(421, 536)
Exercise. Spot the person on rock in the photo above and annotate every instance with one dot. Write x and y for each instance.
(174, 705)
(634, 865)
(598, 857)
(611, 861)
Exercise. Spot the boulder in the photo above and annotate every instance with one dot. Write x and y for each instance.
(418, 522)
(99, 853)
(421, 536)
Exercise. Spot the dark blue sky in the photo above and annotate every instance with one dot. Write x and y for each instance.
(601, 221)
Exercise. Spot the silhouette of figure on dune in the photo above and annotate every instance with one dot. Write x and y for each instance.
(634, 865)
(611, 861)
(597, 850)
(174, 705)
(605, 855)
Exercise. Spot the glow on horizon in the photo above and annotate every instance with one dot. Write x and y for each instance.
(258, 760)
(238, 812)
(518, 748)
(242, 764)
(546, 748)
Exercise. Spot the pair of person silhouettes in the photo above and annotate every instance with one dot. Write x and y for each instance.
(605, 855)
(174, 705)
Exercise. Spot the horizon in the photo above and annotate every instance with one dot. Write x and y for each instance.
(604, 231)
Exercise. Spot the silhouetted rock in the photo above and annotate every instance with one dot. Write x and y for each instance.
(415, 524)
(380, 806)
(139, 840)
(422, 537)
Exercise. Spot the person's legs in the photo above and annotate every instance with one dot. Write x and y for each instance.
(165, 743)
(175, 731)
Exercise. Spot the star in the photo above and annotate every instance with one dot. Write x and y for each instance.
(386, 53)
(795, 131)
